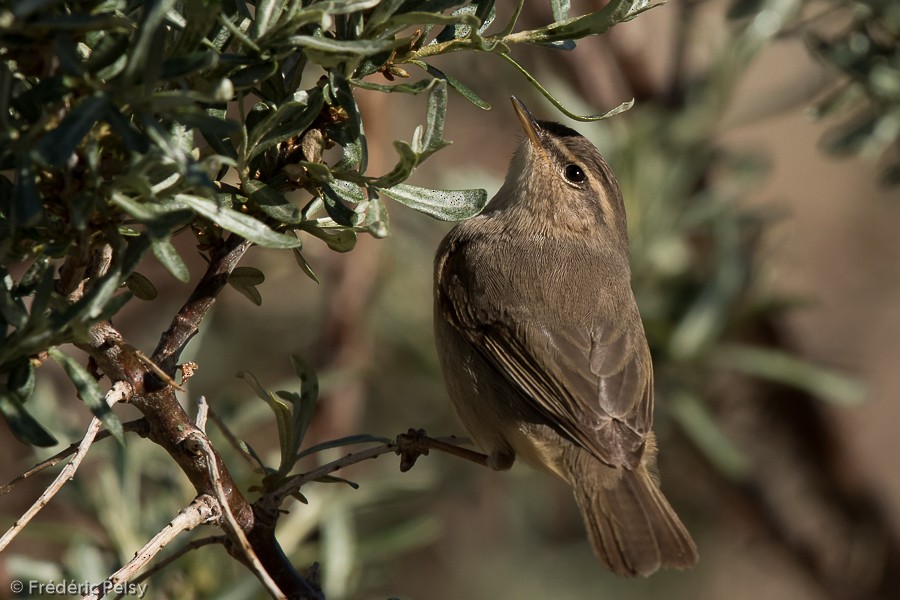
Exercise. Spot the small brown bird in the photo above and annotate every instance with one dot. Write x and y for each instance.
(543, 350)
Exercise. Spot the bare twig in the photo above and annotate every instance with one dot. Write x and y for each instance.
(409, 446)
(138, 426)
(232, 524)
(233, 439)
(203, 509)
(192, 545)
(187, 321)
(120, 391)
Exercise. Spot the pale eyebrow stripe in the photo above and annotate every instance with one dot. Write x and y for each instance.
(565, 156)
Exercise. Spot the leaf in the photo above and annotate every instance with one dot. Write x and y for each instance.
(244, 225)
(351, 134)
(595, 23)
(444, 205)
(560, 9)
(785, 368)
(432, 138)
(339, 239)
(345, 48)
(169, 258)
(337, 196)
(12, 309)
(377, 222)
(289, 120)
(272, 202)
(456, 84)
(22, 425)
(89, 392)
(141, 287)
(245, 280)
(55, 148)
(301, 261)
(700, 426)
(281, 409)
(142, 48)
(584, 118)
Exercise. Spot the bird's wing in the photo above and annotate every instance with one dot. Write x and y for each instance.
(592, 384)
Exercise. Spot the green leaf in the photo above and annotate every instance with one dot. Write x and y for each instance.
(12, 309)
(345, 48)
(456, 84)
(444, 205)
(245, 280)
(57, 145)
(785, 368)
(301, 261)
(141, 287)
(339, 239)
(272, 202)
(89, 392)
(306, 406)
(244, 225)
(282, 410)
(351, 134)
(289, 120)
(169, 258)
(142, 49)
(595, 23)
(339, 197)
(377, 222)
(416, 87)
(584, 118)
(432, 138)
(22, 425)
(702, 428)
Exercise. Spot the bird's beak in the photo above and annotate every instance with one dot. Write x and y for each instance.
(529, 123)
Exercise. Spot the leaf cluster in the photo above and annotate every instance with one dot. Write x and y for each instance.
(127, 124)
(868, 102)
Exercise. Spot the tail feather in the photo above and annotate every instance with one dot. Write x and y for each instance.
(631, 525)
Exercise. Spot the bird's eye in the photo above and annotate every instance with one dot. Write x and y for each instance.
(574, 174)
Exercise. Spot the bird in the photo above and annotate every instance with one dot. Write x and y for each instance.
(543, 350)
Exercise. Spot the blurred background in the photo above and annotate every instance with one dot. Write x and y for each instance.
(768, 277)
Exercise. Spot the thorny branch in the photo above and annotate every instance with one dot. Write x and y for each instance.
(119, 392)
(409, 446)
(204, 509)
(138, 426)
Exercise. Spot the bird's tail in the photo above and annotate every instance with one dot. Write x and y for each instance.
(632, 527)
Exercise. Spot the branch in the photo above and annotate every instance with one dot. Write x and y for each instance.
(119, 392)
(187, 321)
(204, 509)
(138, 426)
(234, 527)
(192, 545)
(409, 446)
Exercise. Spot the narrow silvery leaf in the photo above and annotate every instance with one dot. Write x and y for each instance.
(25, 427)
(445, 205)
(169, 258)
(456, 84)
(90, 393)
(433, 139)
(560, 9)
(57, 146)
(272, 202)
(244, 225)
